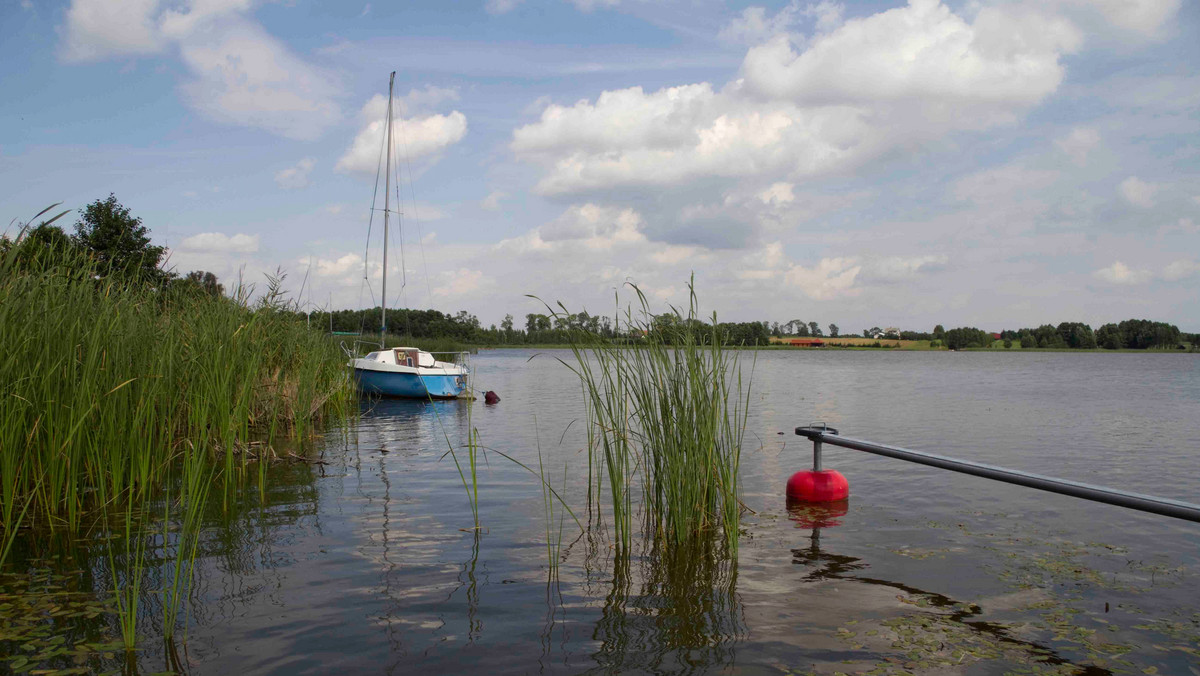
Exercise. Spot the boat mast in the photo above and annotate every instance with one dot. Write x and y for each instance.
(387, 187)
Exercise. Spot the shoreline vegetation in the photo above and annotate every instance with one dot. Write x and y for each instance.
(133, 399)
(665, 420)
(436, 331)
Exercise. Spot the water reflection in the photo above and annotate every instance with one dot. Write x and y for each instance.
(951, 624)
(359, 565)
(682, 615)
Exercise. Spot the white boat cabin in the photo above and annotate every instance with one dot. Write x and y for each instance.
(404, 356)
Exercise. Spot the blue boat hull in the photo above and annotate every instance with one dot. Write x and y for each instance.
(409, 385)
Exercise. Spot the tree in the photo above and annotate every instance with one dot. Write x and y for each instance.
(815, 328)
(536, 322)
(1077, 335)
(1047, 336)
(939, 332)
(507, 324)
(967, 336)
(1007, 343)
(207, 281)
(115, 238)
(1110, 337)
(833, 330)
(744, 333)
(38, 246)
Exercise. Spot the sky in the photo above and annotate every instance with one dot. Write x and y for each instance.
(991, 164)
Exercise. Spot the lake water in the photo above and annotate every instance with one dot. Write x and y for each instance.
(369, 564)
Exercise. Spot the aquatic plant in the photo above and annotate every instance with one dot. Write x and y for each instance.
(666, 406)
(112, 383)
(104, 377)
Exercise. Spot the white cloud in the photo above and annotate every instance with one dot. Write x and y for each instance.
(891, 81)
(778, 194)
(1145, 17)
(424, 100)
(338, 267)
(244, 76)
(765, 263)
(829, 278)
(1181, 269)
(459, 282)
(596, 226)
(415, 137)
(1007, 58)
(1185, 225)
(295, 176)
(754, 25)
(492, 201)
(1078, 144)
(1121, 274)
(422, 211)
(217, 242)
(1138, 192)
(675, 254)
(501, 6)
(97, 29)
(239, 73)
(997, 185)
(899, 268)
(589, 5)
(186, 18)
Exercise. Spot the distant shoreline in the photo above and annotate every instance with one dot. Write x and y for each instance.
(776, 347)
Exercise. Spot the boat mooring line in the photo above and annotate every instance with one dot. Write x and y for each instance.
(820, 433)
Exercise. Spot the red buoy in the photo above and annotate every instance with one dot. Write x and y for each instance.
(818, 486)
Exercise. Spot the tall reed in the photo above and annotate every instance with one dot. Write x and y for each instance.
(666, 409)
(109, 384)
(102, 378)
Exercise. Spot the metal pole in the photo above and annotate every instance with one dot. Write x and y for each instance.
(816, 455)
(1111, 496)
(387, 178)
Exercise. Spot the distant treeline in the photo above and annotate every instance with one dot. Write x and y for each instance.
(546, 329)
(538, 329)
(1131, 334)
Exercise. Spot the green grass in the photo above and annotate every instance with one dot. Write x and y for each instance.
(665, 420)
(114, 390)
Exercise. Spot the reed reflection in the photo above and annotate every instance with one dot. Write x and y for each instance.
(679, 612)
(236, 565)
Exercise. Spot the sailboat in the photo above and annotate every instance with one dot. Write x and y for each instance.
(405, 371)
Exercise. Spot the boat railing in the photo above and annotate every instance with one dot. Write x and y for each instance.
(458, 358)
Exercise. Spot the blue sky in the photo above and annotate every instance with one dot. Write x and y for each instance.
(996, 164)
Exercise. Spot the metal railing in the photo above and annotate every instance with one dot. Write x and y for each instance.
(819, 434)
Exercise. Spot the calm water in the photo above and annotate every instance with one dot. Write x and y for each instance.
(367, 564)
